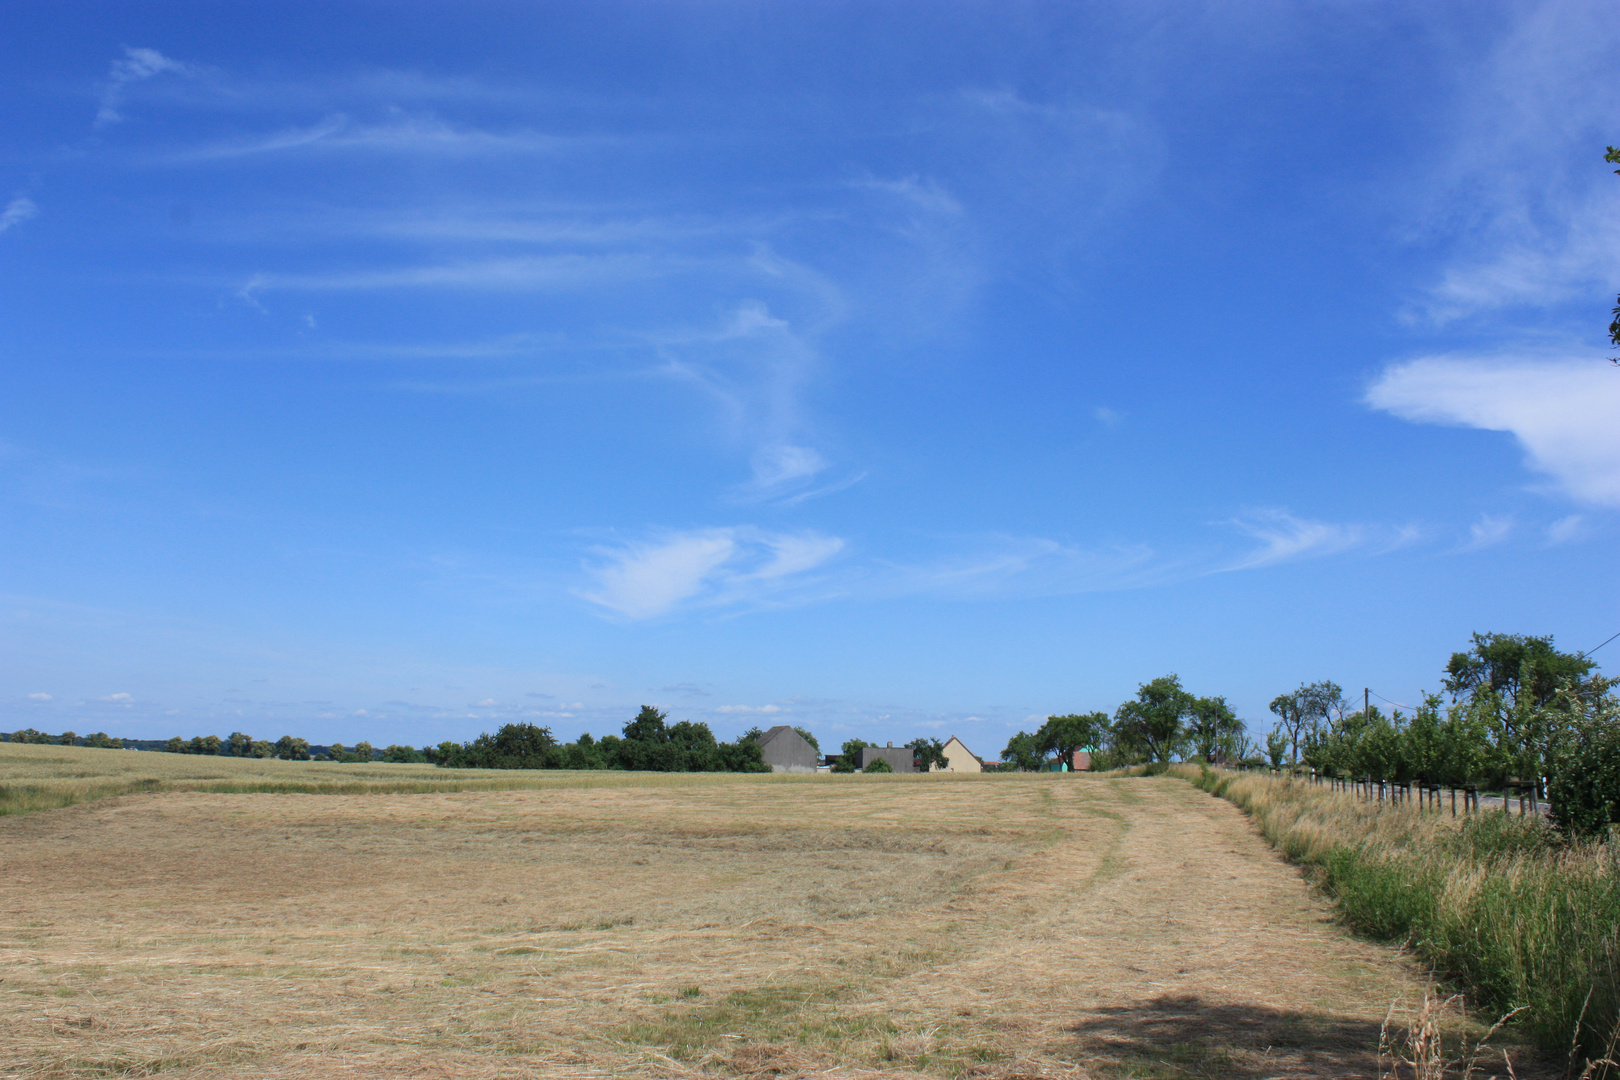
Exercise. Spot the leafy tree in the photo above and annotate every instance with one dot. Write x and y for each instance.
(291, 749)
(648, 726)
(1306, 711)
(29, 735)
(513, 746)
(176, 745)
(204, 744)
(1063, 735)
(1613, 158)
(68, 739)
(1214, 731)
(877, 765)
(403, 755)
(848, 754)
(1154, 725)
(104, 741)
(1022, 753)
(1277, 747)
(1514, 667)
(804, 733)
(1584, 787)
(742, 756)
(753, 734)
(927, 753)
(1514, 684)
(363, 752)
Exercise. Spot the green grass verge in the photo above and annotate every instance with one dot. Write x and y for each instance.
(1495, 902)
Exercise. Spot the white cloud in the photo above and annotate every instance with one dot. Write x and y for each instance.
(1565, 413)
(40, 697)
(1028, 566)
(401, 135)
(487, 703)
(709, 568)
(750, 710)
(778, 465)
(137, 65)
(919, 193)
(18, 210)
(1487, 531)
(1107, 417)
(563, 272)
(1521, 194)
(1284, 537)
(1566, 529)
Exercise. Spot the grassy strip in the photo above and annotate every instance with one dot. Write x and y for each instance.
(1494, 901)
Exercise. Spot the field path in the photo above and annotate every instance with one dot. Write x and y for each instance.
(1030, 926)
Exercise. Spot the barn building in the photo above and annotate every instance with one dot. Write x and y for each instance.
(785, 750)
(900, 758)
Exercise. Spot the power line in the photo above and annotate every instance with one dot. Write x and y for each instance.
(1386, 701)
(1606, 640)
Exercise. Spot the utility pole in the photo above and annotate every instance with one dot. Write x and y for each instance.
(1366, 704)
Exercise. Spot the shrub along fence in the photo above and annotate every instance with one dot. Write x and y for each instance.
(1504, 904)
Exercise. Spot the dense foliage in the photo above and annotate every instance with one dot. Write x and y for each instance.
(67, 738)
(1163, 722)
(1520, 711)
(648, 744)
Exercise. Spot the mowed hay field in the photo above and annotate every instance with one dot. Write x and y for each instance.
(644, 925)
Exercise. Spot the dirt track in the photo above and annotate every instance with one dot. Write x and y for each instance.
(999, 927)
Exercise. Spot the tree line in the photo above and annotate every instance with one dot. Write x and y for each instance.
(1163, 723)
(67, 738)
(649, 743)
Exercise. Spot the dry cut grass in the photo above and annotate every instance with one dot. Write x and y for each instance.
(45, 777)
(1036, 926)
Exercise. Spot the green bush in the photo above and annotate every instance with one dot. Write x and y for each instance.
(877, 765)
(1585, 785)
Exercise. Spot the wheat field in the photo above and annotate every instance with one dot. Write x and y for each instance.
(230, 922)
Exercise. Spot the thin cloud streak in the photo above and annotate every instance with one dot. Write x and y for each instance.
(1488, 531)
(424, 135)
(1284, 538)
(136, 66)
(710, 568)
(18, 210)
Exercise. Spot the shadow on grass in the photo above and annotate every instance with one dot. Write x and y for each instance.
(1184, 1036)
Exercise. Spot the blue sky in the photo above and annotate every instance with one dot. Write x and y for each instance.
(393, 371)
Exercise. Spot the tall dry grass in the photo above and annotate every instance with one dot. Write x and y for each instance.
(1497, 902)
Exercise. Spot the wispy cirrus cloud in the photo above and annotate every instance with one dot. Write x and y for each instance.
(1486, 532)
(137, 65)
(1565, 413)
(1519, 199)
(1284, 538)
(560, 272)
(710, 568)
(1567, 529)
(399, 134)
(1002, 565)
(18, 210)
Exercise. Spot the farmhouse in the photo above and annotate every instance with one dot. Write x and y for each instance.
(958, 758)
(900, 758)
(785, 750)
